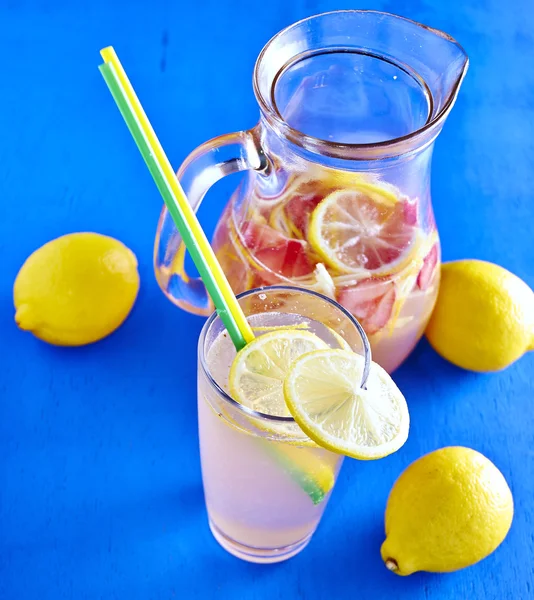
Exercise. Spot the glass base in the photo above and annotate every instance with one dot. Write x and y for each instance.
(257, 555)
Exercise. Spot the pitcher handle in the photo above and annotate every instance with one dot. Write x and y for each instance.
(207, 164)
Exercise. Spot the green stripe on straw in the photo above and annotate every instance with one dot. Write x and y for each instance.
(174, 208)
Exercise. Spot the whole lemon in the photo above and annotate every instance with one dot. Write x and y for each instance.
(447, 510)
(484, 316)
(76, 289)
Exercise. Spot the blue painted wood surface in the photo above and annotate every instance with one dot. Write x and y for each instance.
(100, 491)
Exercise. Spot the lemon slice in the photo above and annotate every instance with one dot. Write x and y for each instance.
(256, 380)
(257, 374)
(366, 231)
(322, 391)
(313, 473)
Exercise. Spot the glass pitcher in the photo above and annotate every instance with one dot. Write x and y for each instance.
(336, 197)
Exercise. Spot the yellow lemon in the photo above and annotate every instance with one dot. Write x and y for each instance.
(447, 510)
(484, 316)
(76, 289)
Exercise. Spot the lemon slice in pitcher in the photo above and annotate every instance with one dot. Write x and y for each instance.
(322, 391)
(365, 231)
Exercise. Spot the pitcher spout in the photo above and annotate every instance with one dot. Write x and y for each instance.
(368, 85)
(439, 60)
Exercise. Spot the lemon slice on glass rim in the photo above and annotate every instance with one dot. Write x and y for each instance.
(323, 392)
(257, 374)
(292, 372)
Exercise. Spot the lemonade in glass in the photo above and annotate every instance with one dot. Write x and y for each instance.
(266, 483)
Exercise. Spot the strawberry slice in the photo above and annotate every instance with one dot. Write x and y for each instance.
(299, 208)
(221, 235)
(278, 254)
(370, 301)
(426, 273)
(410, 211)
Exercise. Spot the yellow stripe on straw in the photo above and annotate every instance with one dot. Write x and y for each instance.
(307, 470)
(110, 57)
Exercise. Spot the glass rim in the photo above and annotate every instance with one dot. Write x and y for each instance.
(285, 288)
(343, 150)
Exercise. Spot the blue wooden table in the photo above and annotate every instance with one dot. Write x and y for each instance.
(100, 490)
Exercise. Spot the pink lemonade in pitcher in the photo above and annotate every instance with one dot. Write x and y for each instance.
(348, 236)
(336, 189)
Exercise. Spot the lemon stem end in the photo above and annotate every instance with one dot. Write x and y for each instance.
(392, 565)
(23, 319)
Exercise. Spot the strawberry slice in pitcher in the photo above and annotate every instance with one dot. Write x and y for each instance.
(279, 255)
(426, 274)
(409, 208)
(371, 301)
(299, 208)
